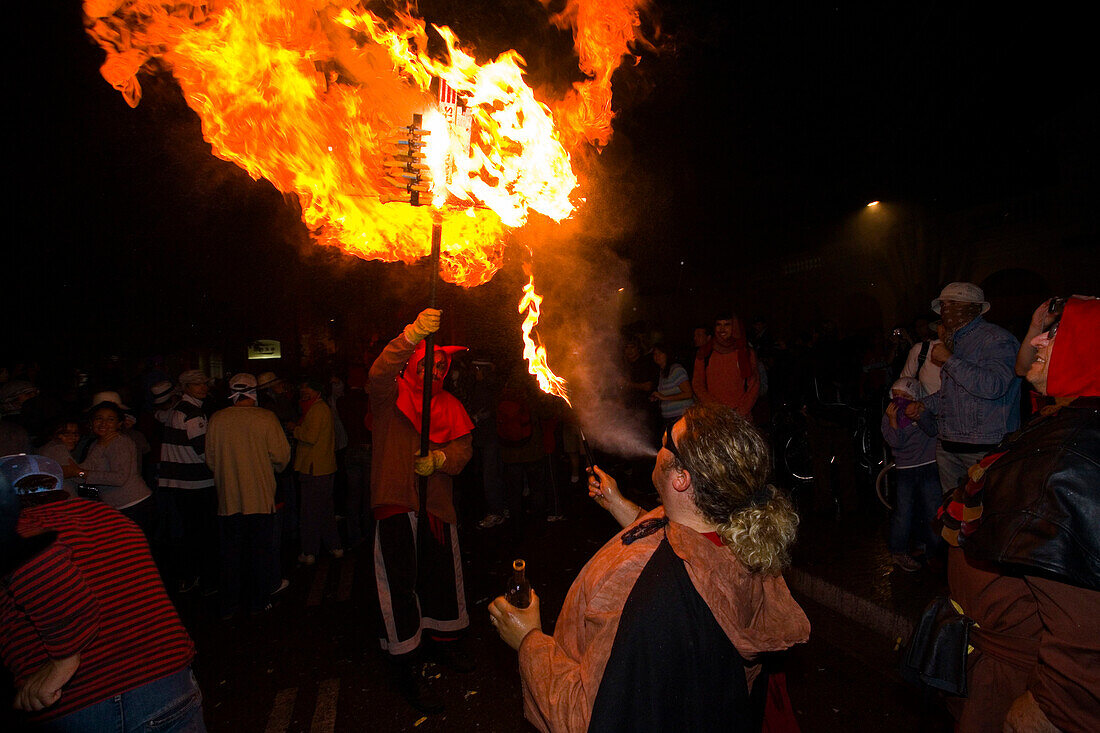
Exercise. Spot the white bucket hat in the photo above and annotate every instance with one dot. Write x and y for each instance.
(961, 293)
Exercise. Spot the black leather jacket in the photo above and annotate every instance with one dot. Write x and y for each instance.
(1041, 513)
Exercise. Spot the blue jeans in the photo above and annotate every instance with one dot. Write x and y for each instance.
(918, 497)
(172, 704)
(543, 496)
(953, 467)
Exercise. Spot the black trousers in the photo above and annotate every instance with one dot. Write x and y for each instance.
(250, 561)
(417, 594)
(197, 550)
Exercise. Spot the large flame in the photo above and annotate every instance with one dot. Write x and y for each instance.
(535, 354)
(306, 95)
(307, 98)
(603, 33)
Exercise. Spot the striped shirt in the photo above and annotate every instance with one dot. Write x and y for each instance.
(183, 448)
(95, 591)
(670, 385)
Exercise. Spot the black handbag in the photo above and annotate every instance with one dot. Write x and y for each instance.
(88, 491)
(936, 653)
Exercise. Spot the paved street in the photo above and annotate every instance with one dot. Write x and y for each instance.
(313, 663)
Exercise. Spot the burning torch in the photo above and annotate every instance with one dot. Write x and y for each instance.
(588, 455)
(407, 173)
(409, 176)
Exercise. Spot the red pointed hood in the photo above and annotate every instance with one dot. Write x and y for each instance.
(1074, 369)
(449, 418)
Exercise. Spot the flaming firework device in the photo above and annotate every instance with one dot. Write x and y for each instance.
(408, 176)
(406, 169)
(588, 455)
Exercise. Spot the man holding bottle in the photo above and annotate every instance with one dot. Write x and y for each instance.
(702, 571)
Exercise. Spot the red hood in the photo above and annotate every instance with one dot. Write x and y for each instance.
(737, 338)
(1074, 369)
(449, 418)
(415, 382)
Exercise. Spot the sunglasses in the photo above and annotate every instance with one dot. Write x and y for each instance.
(668, 443)
(1055, 307)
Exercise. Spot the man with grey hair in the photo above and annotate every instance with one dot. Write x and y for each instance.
(703, 571)
(245, 447)
(979, 398)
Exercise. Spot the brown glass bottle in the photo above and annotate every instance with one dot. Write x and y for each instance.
(519, 590)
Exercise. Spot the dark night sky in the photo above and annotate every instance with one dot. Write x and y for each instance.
(761, 122)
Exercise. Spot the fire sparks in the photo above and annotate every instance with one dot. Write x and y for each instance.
(549, 382)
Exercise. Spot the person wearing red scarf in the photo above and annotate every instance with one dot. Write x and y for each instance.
(1026, 534)
(726, 370)
(422, 599)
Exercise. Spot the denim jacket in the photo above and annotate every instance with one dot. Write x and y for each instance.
(979, 397)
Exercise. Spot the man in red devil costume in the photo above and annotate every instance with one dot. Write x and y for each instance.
(422, 598)
(1025, 530)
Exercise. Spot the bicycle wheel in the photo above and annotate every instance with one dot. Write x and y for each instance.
(868, 455)
(886, 484)
(796, 458)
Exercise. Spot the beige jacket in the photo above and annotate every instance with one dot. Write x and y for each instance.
(245, 447)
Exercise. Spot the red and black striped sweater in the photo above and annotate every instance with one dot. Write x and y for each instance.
(95, 591)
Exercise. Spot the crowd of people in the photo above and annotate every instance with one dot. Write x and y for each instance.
(210, 486)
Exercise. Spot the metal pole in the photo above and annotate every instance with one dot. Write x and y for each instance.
(426, 404)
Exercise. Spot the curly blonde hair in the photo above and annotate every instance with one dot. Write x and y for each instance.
(729, 462)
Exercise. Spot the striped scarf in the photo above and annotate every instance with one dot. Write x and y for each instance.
(961, 513)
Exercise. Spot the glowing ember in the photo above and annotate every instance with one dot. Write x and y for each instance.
(549, 382)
